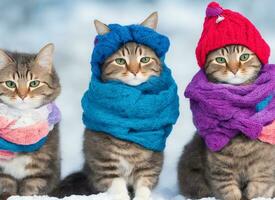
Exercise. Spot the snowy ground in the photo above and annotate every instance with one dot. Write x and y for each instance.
(93, 197)
(28, 25)
(75, 197)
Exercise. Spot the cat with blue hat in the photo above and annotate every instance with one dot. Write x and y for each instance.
(129, 108)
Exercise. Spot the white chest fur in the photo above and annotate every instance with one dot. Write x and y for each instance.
(16, 167)
(125, 167)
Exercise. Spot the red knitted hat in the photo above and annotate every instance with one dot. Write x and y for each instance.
(225, 27)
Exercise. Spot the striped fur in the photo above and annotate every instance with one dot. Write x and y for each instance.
(108, 159)
(113, 165)
(244, 169)
(234, 70)
(134, 71)
(34, 173)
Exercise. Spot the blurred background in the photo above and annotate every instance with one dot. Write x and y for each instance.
(26, 26)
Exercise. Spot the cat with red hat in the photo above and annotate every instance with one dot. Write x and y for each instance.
(232, 155)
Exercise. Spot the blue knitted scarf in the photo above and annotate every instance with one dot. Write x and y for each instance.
(142, 114)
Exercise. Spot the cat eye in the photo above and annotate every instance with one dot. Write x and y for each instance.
(120, 61)
(220, 60)
(35, 83)
(10, 84)
(244, 57)
(145, 59)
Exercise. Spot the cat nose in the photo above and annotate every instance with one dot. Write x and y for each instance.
(233, 67)
(234, 70)
(22, 94)
(134, 71)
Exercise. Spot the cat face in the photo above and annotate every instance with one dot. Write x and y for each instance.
(133, 63)
(28, 81)
(233, 64)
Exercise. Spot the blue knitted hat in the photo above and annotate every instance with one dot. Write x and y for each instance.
(107, 44)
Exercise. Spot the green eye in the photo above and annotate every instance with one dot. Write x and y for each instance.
(120, 61)
(244, 57)
(34, 83)
(220, 60)
(145, 59)
(10, 84)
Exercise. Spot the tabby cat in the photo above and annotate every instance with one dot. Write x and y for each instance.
(244, 168)
(113, 164)
(29, 81)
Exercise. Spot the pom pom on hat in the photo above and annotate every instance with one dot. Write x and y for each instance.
(224, 27)
(213, 10)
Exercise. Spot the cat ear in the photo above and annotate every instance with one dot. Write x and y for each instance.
(101, 28)
(5, 59)
(45, 57)
(151, 21)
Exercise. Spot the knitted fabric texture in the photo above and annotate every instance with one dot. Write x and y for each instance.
(268, 132)
(225, 27)
(25, 130)
(221, 111)
(142, 114)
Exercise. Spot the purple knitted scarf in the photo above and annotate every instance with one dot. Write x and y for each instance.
(221, 111)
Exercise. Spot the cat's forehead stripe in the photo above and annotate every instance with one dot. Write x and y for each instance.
(137, 47)
(140, 51)
(122, 51)
(222, 50)
(238, 49)
(225, 48)
(128, 51)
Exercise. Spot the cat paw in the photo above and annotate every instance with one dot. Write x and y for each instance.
(234, 194)
(118, 190)
(142, 193)
(33, 186)
(5, 196)
(256, 190)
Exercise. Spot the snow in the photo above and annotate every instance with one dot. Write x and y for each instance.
(28, 25)
(101, 196)
(74, 197)
(96, 197)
